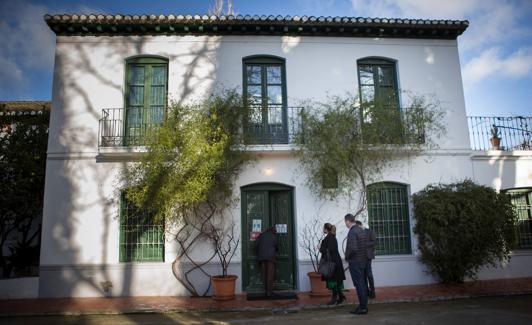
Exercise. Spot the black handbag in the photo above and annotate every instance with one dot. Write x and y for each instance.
(326, 266)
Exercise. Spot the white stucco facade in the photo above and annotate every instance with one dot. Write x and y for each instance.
(80, 239)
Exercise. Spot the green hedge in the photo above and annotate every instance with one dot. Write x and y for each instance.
(462, 227)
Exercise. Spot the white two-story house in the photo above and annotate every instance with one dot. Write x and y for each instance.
(110, 67)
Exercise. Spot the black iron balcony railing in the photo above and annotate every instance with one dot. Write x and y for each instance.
(121, 127)
(273, 124)
(264, 125)
(513, 133)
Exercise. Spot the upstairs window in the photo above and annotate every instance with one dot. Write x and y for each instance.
(146, 96)
(377, 81)
(264, 81)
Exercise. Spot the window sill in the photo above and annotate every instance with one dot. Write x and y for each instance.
(522, 252)
(394, 258)
(120, 153)
(501, 155)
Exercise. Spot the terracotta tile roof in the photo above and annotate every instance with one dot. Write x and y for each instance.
(17, 108)
(104, 24)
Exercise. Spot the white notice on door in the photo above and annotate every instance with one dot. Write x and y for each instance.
(256, 225)
(281, 228)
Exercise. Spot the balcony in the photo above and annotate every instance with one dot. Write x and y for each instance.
(118, 129)
(270, 125)
(514, 133)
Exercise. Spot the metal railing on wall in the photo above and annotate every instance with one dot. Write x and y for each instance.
(264, 125)
(121, 127)
(272, 124)
(513, 133)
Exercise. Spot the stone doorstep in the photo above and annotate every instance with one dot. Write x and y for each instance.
(124, 305)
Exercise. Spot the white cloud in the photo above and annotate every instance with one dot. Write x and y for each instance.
(8, 69)
(493, 24)
(27, 43)
(434, 9)
(491, 20)
(491, 63)
(25, 37)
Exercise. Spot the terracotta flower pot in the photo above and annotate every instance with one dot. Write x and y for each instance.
(224, 287)
(318, 287)
(495, 143)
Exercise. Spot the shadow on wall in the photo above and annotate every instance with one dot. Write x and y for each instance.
(75, 191)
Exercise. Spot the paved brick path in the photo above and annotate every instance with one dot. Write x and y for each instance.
(433, 292)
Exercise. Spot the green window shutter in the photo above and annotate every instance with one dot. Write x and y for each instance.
(141, 238)
(522, 201)
(146, 96)
(389, 218)
(264, 83)
(377, 80)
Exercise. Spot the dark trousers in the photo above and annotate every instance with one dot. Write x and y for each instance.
(370, 283)
(358, 275)
(268, 274)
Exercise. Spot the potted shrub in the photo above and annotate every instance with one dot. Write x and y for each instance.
(495, 139)
(226, 243)
(311, 237)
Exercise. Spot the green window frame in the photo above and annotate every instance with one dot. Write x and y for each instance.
(146, 96)
(141, 237)
(377, 79)
(389, 218)
(265, 95)
(522, 201)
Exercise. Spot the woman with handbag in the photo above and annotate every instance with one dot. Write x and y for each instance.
(331, 265)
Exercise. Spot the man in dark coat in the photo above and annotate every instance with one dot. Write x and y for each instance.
(369, 281)
(266, 251)
(356, 254)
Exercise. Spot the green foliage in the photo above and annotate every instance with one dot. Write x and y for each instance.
(356, 142)
(462, 227)
(187, 178)
(23, 144)
(192, 160)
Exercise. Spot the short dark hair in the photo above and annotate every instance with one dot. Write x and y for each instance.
(349, 217)
(358, 222)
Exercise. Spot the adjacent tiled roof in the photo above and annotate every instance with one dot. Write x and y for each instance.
(103, 24)
(17, 108)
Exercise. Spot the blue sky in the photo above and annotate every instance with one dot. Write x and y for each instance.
(495, 51)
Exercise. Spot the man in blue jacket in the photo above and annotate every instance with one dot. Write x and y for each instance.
(356, 254)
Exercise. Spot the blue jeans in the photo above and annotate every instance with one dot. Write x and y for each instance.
(359, 280)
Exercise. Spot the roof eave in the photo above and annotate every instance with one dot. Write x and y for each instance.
(120, 25)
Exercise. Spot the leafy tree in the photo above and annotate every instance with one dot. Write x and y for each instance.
(345, 145)
(23, 143)
(462, 227)
(187, 175)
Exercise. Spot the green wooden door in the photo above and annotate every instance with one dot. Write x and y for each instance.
(281, 217)
(267, 206)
